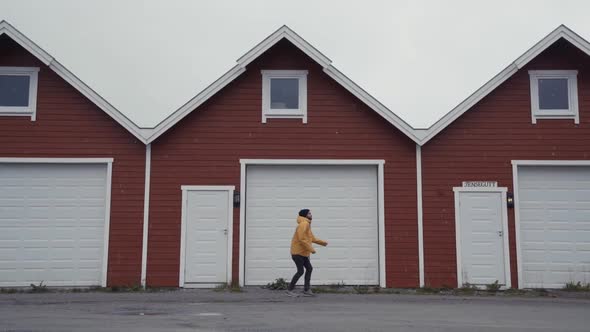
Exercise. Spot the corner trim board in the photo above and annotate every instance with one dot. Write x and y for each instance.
(420, 214)
(146, 211)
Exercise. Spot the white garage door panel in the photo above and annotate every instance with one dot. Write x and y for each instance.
(343, 200)
(52, 224)
(554, 225)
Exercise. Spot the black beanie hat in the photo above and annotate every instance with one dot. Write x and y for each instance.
(303, 213)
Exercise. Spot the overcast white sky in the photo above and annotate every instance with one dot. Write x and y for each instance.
(419, 58)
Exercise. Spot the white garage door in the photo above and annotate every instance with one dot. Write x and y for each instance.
(52, 224)
(343, 200)
(554, 225)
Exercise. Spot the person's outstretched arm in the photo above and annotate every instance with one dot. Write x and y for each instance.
(318, 241)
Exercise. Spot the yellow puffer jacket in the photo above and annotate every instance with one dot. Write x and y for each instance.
(303, 237)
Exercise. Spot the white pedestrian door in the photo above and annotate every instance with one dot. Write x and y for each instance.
(480, 247)
(206, 236)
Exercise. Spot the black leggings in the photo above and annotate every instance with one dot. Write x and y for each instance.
(301, 261)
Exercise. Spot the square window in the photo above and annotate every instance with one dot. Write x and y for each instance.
(284, 94)
(14, 90)
(18, 91)
(554, 94)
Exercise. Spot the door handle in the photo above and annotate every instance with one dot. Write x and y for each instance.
(225, 231)
(500, 233)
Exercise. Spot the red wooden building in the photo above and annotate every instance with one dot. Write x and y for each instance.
(498, 190)
(281, 131)
(71, 176)
(523, 138)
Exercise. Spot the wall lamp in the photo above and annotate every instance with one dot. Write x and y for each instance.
(236, 198)
(510, 200)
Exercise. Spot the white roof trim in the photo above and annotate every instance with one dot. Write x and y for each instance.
(286, 33)
(26, 43)
(420, 136)
(561, 32)
(373, 103)
(275, 37)
(192, 104)
(31, 47)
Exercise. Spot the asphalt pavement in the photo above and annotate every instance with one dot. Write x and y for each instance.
(263, 310)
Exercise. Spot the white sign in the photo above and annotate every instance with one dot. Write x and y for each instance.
(486, 184)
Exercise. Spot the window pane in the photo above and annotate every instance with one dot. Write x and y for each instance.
(14, 90)
(284, 93)
(553, 94)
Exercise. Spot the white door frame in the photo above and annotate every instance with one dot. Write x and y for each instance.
(504, 214)
(109, 181)
(183, 223)
(312, 162)
(530, 163)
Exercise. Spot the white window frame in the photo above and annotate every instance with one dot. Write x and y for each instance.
(268, 112)
(572, 112)
(31, 110)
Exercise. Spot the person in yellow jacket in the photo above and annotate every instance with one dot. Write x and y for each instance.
(301, 248)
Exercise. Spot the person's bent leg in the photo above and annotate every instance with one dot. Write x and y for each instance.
(308, 270)
(299, 262)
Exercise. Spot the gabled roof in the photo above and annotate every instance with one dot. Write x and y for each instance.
(47, 59)
(420, 136)
(560, 32)
(282, 33)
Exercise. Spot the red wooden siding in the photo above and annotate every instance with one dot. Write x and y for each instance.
(481, 144)
(69, 125)
(206, 146)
